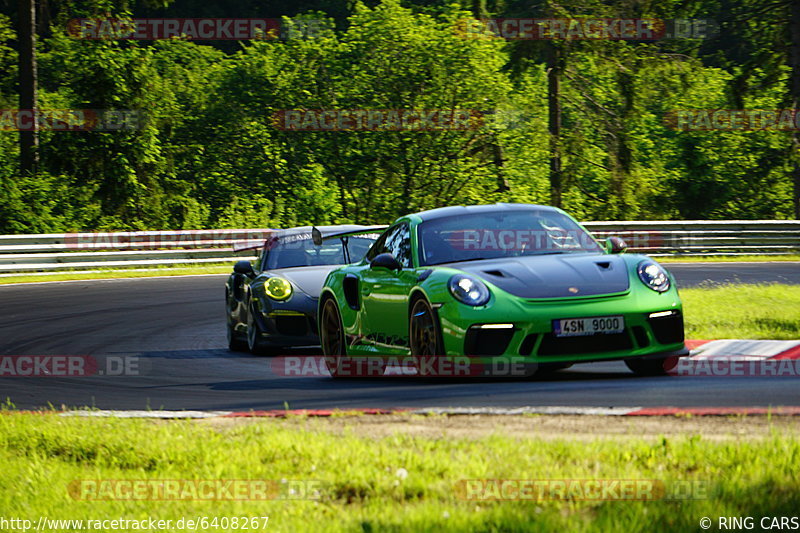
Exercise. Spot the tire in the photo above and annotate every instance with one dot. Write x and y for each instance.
(651, 367)
(334, 348)
(550, 368)
(235, 343)
(424, 335)
(331, 337)
(255, 342)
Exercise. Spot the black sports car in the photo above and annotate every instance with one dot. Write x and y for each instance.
(273, 304)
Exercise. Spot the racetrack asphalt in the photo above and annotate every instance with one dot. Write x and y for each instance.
(173, 331)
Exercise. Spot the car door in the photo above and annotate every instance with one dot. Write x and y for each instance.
(385, 292)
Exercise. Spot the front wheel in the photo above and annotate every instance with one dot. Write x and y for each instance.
(331, 337)
(651, 367)
(332, 340)
(235, 344)
(255, 339)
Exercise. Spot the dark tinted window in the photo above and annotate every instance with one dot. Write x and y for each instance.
(503, 233)
(299, 250)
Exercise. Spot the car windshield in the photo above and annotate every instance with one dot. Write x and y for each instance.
(503, 233)
(298, 250)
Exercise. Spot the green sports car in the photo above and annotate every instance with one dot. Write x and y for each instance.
(512, 282)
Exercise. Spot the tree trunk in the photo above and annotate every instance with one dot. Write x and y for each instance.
(28, 140)
(554, 122)
(499, 161)
(622, 202)
(794, 88)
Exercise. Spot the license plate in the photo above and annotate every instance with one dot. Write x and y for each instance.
(576, 327)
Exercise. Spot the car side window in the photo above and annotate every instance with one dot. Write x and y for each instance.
(395, 241)
(399, 245)
(377, 247)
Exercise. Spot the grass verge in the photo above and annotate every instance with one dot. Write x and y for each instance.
(742, 312)
(185, 270)
(726, 258)
(389, 483)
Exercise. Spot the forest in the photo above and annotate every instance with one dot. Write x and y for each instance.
(341, 111)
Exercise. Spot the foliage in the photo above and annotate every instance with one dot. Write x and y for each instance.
(208, 153)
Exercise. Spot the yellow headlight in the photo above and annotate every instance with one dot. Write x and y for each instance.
(278, 288)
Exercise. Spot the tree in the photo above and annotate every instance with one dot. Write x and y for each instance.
(28, 139)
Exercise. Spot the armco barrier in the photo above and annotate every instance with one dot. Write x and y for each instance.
(93, 251)
(705, 237)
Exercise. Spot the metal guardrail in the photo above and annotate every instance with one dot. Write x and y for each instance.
(69, 251)
(705, 237)
(92, 251)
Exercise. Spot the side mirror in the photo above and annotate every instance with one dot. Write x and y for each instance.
(615, 245)
(386, 261)
(245, 268)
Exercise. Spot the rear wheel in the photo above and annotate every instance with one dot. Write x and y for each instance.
(425, 339)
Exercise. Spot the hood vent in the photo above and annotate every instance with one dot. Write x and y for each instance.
(551, 276)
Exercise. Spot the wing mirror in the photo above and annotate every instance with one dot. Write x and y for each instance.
(245, 268)
(386, 260)
(615, 245)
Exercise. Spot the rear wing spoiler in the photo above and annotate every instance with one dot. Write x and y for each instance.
(318, 237)
(253, 243)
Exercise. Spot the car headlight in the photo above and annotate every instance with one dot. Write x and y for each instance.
(468, 290)
(278, 288)
(653, 276)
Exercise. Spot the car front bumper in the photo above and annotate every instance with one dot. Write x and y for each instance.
(523, 329)
(292, 323)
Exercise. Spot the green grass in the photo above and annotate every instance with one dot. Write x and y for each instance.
(360, 488)
(725, 258)
(177, 270)
(742, 312)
